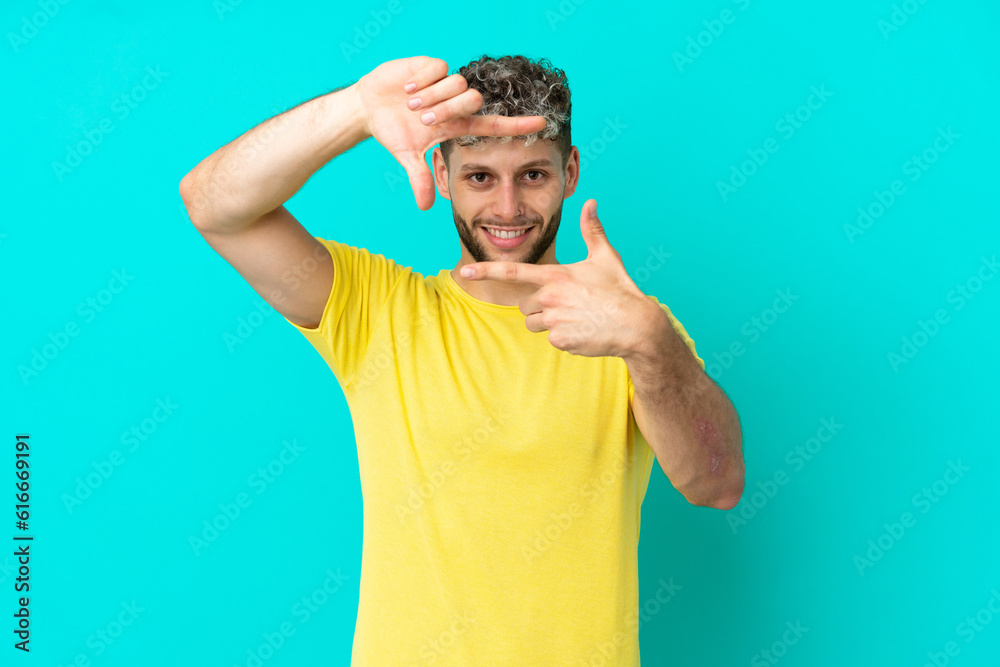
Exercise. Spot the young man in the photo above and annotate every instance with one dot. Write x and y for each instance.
(506, 421)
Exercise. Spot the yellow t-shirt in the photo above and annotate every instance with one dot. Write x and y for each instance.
(501, 477)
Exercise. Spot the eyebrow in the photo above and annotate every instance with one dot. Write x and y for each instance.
(542, 162)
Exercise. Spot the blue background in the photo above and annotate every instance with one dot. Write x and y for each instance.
(789, 553)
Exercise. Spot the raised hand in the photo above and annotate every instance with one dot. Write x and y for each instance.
(590, 308)
(444, 111)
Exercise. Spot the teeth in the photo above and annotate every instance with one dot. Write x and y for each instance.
(506, 235)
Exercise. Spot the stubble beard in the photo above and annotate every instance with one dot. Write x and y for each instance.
(481, 252)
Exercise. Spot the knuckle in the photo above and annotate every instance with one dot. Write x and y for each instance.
(439, 68)
(470, 99)
(444, 110)
(466, 102)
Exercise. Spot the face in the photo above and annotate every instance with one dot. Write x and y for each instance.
(511, 187)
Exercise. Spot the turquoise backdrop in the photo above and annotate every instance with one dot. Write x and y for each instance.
(812, 189)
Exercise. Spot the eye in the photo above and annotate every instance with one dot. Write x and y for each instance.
(478, 173)
(535, 171)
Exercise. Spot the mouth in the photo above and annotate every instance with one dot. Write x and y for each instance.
(507, 237)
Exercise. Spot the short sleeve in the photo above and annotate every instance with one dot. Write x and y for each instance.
(362, 283)
(681, 331)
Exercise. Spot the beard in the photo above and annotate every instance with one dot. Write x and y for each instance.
(480, 249)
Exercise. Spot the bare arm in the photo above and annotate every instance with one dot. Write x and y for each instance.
(261, 170)
(686, 418)
(235, 197)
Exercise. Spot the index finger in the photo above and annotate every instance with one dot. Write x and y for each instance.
(521, 272)
(504, 126)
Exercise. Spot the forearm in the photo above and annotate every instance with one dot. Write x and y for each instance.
(688, 421)
(260, 170)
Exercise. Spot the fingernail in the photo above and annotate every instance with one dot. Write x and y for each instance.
(593, 210)
(410, 87)
(428, 118)
(414, 103)
(467, 271)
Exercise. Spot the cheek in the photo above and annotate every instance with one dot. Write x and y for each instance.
(548, 198)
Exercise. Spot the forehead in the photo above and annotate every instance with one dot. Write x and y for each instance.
(512, 155)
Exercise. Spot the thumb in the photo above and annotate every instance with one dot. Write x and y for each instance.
(421, 181)
(592, 229)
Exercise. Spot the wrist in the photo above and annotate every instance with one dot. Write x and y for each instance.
(651, 330)
(360, 116)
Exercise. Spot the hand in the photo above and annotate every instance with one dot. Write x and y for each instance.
(591, 308)
(402, 131)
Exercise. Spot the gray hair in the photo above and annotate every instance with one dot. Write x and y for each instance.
(518, 86)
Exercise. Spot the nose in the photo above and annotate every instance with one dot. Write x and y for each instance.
(508, 206)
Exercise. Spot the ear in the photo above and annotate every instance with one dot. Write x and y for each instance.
(572, 172)
(440, 173)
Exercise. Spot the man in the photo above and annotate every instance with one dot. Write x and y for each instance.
(495, 414)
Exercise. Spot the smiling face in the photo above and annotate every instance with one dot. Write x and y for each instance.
(510, 189)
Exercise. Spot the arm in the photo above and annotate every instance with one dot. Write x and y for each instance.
(688, 421)
(235, 196)
(593, 308)
(260, 170)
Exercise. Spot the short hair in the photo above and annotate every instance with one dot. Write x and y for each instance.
(518, 86)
